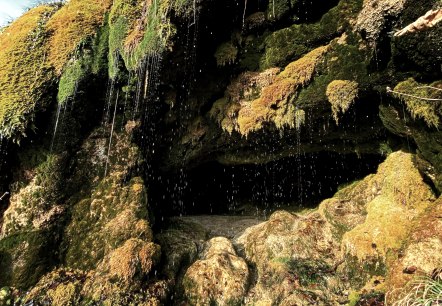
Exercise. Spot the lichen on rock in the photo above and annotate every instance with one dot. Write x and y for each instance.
(374, 15)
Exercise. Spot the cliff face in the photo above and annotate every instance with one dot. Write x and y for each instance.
(116, 116)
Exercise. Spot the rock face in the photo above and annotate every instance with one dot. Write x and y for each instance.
(103, 103)
(220, 277)
(351, 239)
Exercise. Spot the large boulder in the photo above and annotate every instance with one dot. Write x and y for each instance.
(219, 277)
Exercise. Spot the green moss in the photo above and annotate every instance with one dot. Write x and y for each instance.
(343, 61)
(372, 298)
(250, 54)
(24, 72)
(117, 33)
(353, 298)
(101, 223)
(278, 9)
(292, 42)
(359, 273)
(392, 120)
(24, 257)
(73, 24)
(427, 139)
(309, 272)
(255, 99)
(88, 60)
(226, 54)
(134, 36)
(341, 94)
(419, 51)
(100, 50)
(74, 72)
(410, 91)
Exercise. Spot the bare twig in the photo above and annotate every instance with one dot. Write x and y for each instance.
(430, 87)
(389, 90)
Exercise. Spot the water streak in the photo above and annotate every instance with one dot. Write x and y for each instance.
(111, 134)
(56, 126)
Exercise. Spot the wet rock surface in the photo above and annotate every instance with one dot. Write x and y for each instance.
(159, 153)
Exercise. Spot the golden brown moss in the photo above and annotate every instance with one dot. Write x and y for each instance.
(134, 256)
(254, 99)
(64, 295)
(401, 196)
(303, 69)
(24, 70)
(71, 25)
(341, 94)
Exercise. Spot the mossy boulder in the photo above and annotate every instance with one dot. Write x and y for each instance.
(375, 16)
(417, 119)
(419, 254)
(400, 196)
(26, 256)
(350, 242)
(290, 43)
(220, 276)
(417, 52)
(181, 242)
(283, 249)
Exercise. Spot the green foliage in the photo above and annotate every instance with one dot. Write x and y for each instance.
(422, 291)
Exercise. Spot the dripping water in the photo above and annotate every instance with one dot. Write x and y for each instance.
(244, 14)
(56, 126)
(109, 95)
(299, 182)
(111, 134)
